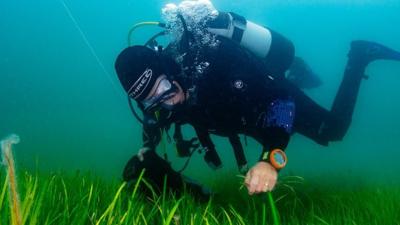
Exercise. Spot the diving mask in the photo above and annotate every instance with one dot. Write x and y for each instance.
(164, 91)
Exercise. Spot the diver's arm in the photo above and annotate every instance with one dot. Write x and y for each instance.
(151, 137)
(277, 138)
(277, 125)
(151, 133)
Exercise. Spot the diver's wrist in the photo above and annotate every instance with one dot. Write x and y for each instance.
(276, 158)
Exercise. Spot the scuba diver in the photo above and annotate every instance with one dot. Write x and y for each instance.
(238, 86)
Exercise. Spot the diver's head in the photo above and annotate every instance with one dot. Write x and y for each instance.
(141, 74)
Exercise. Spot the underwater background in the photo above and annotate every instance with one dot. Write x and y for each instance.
(60, 94)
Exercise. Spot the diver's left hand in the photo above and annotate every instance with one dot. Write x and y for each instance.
(261, 178)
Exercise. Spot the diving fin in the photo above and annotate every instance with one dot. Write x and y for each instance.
(367, 52)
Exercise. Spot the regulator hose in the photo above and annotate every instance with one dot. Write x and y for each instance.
(162, 25)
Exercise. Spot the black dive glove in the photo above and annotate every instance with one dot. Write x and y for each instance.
(185, 148)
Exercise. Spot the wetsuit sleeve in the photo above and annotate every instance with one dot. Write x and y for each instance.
(278, 123)
(151, 135)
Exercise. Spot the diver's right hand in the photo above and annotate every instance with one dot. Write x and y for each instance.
(260, 178)
(185, 148)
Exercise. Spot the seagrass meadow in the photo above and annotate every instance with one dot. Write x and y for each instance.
(83, 198)
(60, 94)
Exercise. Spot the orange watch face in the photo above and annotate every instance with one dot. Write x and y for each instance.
(278, 158)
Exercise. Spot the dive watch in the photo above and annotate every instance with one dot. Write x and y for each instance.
(277, 158)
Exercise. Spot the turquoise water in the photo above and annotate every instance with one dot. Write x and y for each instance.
(71, 114)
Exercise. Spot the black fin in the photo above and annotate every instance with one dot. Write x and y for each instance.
(367, 52)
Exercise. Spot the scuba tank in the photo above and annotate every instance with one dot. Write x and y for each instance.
(255, 38)
(276, 51)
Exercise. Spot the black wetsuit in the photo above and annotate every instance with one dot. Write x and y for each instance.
(236, 93)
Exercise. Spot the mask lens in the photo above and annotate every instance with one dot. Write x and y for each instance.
(163, 92)
(163, 87)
